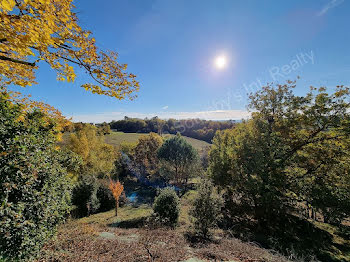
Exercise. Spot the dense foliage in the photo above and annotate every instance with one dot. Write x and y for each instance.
(92, 195)
(206, 209)
(145, 156)
(157, 162)
(84, 197)
(61, 43)
(105, 196)
(98, 156)
(167, 207)
(196, 128)
(103, 129)
(180, 159)
(293, 153)
(91, 192)
(35, 192)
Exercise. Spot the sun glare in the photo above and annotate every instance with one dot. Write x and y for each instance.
(220, 62)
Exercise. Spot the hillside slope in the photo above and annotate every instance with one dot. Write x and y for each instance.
(126, 238)
(116, 138)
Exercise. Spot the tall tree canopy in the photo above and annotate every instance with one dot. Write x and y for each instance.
(294, 149)
(180, 158)
(48, 30)
(98, 156)
(145, 154)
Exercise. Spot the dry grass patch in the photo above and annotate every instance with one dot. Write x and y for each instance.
(101, 238)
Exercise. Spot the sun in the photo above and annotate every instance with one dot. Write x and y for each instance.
(220, 62)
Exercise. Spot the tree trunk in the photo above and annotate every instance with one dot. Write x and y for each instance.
(116, 207)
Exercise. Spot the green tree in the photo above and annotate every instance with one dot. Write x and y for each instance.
(84, 196)
(35, 191)
(291, 149)
(180, 157)
(123, 163)
(145, 154)
(206, 209)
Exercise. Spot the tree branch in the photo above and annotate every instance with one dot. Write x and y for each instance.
(300, 146)
(19, 7)
(308, 172)
(5, 58)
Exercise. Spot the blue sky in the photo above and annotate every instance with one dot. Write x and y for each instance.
(171, 46)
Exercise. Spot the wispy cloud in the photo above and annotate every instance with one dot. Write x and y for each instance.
(165, 107)
(330, 5)
(208, 115)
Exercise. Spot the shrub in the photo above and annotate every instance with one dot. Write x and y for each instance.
(34, 190)
(92, 195)
(105, 196)
(206, 209)
(85, 196)
(167, 207)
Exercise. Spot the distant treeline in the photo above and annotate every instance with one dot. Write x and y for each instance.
(195, 128)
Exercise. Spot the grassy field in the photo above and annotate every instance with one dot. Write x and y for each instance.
(129, 237)
(116, 138)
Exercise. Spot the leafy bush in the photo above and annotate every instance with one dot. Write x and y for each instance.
(206, 209)
(105, 196)
(85, 196)
(92, 195)
(167, 207)
(34, 190)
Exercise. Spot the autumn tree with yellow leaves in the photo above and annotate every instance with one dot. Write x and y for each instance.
(48, 30)
(116, 189)
(98, 157)
(38, 190)
(29, 105)
(145, 155)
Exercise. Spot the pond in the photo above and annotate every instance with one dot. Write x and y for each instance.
(132, 197)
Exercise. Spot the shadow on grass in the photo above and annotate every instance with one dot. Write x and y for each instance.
(299, 236)
(343, 231)
(130, 223)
